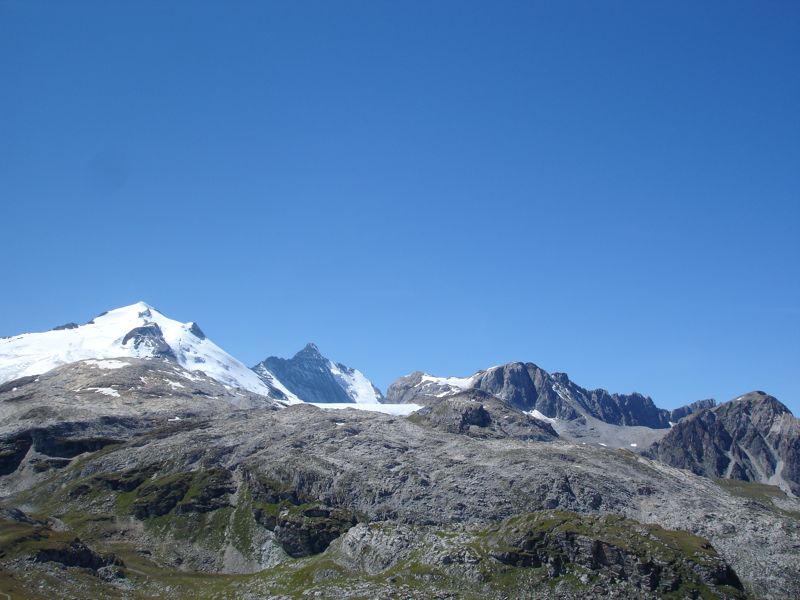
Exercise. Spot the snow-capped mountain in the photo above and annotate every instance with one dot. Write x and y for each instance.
(314, 378)
(137, 331)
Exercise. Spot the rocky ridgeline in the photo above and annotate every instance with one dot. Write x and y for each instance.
(527, 387)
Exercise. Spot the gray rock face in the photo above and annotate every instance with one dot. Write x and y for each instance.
(538, 553)
(528, 387)
(149, 336)
(478, 414)
(49, 419)
(314, 378)
(684, 411)
(751, 438)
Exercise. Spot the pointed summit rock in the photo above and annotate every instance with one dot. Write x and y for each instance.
(313, 378)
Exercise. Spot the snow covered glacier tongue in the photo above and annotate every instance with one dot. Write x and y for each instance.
(138, 331)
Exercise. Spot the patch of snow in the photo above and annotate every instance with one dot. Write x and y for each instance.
(175, 385)
(174, 419)
(604, 445)
(401, 410)
(357, 386)
(106, 391)
(537, 415)
(562, 392)
(444, 386)
(634, 445)
(458, 383)
(107, 364)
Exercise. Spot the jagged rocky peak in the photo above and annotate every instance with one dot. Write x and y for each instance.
(684, 411)
(528, 387)
(138, 331)
(312, 377)
(753, 437)
(310, 350)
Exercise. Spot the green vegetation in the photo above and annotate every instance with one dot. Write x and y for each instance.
(758, 492)
(200, 514)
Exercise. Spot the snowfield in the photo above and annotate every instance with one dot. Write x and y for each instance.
(357, 386)
(399, 410)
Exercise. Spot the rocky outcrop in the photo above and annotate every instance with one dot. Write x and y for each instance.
(76, 554)
(196, 491)
(548, 554)
(610, 550)
(751, 438)
(478, 414)
(307, 530)
(149, 338)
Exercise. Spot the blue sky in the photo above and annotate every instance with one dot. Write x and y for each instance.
(608, 189)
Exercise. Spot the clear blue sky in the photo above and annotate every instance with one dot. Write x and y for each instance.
(610, 189)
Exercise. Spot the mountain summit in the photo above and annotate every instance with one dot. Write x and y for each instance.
(751, 438)
(134, 331)
(314, 378)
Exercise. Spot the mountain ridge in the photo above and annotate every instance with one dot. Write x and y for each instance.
(527, 387)
(753, 437)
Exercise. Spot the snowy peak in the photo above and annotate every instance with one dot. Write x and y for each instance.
(136, 331)
(313, 378)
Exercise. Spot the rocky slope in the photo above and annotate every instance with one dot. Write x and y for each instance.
(142, 475)
(49, 419)
(751, 438)
(314, 378)
(528, 387)
(301, 498)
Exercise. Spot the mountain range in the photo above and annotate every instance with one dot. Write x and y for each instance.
(134, 450)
